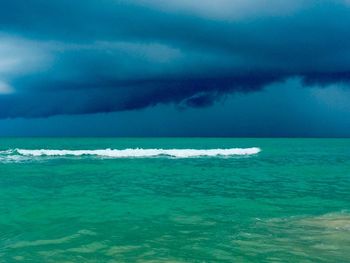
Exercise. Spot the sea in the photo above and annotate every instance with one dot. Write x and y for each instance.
(174, 200)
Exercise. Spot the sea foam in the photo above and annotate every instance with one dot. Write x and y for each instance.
(142, 153)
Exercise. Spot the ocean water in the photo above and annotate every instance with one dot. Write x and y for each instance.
(174, 200)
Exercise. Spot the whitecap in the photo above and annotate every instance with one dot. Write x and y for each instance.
(143, 153)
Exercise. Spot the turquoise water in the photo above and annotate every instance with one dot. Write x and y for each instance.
(288, 203)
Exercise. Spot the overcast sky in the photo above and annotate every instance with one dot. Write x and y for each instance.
(176, 67)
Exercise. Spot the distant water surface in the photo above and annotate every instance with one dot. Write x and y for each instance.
(174, 200)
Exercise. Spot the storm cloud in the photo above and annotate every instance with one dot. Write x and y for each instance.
(79, 57)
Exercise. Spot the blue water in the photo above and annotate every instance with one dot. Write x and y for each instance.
(290, 202)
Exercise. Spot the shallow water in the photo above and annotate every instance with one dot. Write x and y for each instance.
(288, 203)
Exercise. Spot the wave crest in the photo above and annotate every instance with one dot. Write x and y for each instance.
(139, 152)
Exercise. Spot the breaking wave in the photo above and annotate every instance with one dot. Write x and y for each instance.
(133, 153)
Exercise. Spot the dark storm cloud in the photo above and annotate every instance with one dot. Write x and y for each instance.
(108, 96)
(73, 57)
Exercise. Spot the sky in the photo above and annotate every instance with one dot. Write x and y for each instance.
(247, 68)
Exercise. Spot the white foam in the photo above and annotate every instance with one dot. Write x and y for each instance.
(143, 153)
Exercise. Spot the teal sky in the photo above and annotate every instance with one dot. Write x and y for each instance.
(184, 68)
(277, 111)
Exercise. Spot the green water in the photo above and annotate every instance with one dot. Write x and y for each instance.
(288, 203)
